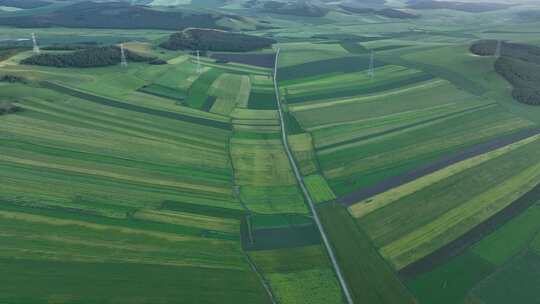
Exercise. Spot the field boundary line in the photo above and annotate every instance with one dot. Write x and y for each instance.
(302, 185)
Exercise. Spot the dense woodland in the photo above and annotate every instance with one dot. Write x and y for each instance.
(92, 57)
(213, 40)
(519, 64)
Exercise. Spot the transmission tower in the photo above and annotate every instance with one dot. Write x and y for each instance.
(498, 49)
(371, 71)
(34, 41)
(123, 61)
(199, 70)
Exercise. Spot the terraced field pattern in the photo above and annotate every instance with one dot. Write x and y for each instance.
(362, 158)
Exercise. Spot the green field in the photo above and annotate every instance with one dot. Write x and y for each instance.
(169, 181)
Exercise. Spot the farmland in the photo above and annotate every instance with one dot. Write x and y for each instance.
(172, 178)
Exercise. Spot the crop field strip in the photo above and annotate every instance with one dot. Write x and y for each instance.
(436, 225)
(75, 134)
(131, 107)
(412, 149)
(399, 184)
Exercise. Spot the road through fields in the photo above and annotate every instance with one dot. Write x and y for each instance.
(307, 196)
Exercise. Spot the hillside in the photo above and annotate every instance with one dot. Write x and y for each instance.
(120, 15)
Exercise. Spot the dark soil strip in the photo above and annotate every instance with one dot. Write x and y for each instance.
(401, 179)
(474, 235)
(401, 128)
(260, 60)
(134, 108)
(210, 100)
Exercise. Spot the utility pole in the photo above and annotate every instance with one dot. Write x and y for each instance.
(199, 70)
(123, 61)
(34, 41)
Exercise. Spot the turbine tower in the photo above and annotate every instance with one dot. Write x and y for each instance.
(199, 70)
(498, 49)
(371, 72)
(34, 41)
(123, 55)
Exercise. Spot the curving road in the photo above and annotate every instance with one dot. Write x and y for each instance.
(300, 181)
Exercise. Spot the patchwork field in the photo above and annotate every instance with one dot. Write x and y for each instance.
(168, 180)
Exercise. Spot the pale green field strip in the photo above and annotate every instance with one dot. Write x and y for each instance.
(190, 220)
(96, 194)
(304, 154)
(256, 128)
(319, 189)
(260, 163)
(273, 199)
(254, 114)
(230, 91)
(353, 84)
(237, 68)
(67, 112)
(23, 235)
(343, 80)
(370, 108)
(146, 179)
(87, 140)
(357, 161)
(302, 52)
(338, 101)
(334, 138)
(260, 122)
(459, 220)
(299, 275)
(369, 205)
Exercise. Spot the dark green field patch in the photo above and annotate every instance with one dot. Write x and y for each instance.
(298, 233)
(262, 99)
(267, 221)
(353, 47)
(202, 209)
(33, 282)
(198, 92)
(449, 283)
(338, 65)
(369, 278)
(517, 282)
(163, 91)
